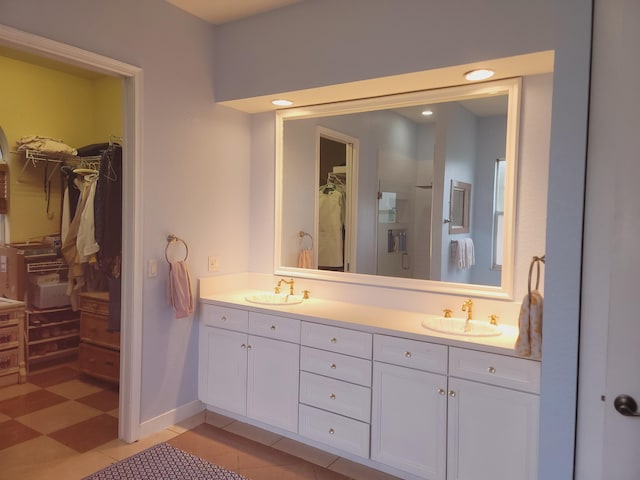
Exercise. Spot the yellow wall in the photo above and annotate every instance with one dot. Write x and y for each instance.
(35, 100)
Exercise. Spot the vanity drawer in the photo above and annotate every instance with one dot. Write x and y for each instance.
(272, 326)
(336, 365)
(223, 317)
(336, 396)
(334, 430)
(425, 356)
(336, 339)
(510, 372)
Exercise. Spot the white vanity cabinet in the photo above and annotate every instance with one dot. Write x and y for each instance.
(409, 420)
(335, 387)
(493, 416)
(249, 365)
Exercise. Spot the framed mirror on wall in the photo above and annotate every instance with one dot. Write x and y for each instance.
(413, 172)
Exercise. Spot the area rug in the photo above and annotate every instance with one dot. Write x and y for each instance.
(164, 462)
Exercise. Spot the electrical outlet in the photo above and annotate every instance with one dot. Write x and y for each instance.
(214, 263)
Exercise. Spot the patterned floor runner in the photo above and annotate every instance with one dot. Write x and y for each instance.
(164, 462)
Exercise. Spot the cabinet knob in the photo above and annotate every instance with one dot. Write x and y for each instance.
(407, 354)
(452, 393)
(491, 370)
(332, 396)
(334, 340)
(248, 347)
(273, 327)
(333, 366)
(224, 319)
(243, 346)
(442, 391)
(331, 431)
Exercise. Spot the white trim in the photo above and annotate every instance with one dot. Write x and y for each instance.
(172, 417)
(131, 347)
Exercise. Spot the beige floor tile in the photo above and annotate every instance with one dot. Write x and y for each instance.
(188, 423)
(78, 467)
(358, 471)
(114, 413)
(58, 417)
(253, 433)
(119, 450)
(29, 458)
(74, 389)
(16, 390)
(217, 420)
(306, 452)
(4, 418)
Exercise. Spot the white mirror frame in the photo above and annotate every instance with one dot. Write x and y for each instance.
(511, 87)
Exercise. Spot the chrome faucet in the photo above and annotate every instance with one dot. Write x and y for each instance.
(288, 282)
(468, 307)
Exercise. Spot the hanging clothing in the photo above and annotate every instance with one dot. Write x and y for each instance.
(86, 241)
(331, 228)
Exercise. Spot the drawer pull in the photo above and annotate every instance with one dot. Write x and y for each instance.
(442, 391)
(332, 396)
(333, 366)
(452, 393)
(334, 340)
(273, 328)
(407, 354)
(331, 431)
(224, 319)
(491, 370)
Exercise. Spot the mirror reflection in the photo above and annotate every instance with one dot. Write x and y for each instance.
(414, 188)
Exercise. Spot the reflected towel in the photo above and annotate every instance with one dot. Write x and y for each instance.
(529, 342)
(465, 253)
(179, 294)
(305, 258)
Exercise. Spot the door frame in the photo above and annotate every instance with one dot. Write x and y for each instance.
(131, 338)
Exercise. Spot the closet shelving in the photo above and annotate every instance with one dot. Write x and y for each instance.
(50, 333)
(34, 157)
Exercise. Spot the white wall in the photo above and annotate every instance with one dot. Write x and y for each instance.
(195, 164)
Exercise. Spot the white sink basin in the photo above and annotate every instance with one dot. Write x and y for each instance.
(456, 326)
(274, 298)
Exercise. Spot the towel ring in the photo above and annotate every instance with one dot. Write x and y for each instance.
(171, 239)
(303, 234)
(535, 262)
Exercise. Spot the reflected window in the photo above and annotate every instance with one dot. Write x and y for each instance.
(498, 213)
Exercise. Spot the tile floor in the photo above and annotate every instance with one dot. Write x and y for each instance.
(63, 425)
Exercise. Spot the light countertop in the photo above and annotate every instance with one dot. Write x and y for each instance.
(369, 319)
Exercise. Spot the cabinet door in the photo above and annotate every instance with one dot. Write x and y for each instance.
(223, 379)
(408, 425)
(272, 386)
(493, 432)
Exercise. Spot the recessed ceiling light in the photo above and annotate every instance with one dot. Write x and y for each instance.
(282, 102)
(479, 74)
(426, 113)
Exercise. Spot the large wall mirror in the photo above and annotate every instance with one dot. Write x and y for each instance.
(365, 189)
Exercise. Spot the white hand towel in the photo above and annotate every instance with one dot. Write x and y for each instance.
(305, 258)
(179, 294)
(529, 341)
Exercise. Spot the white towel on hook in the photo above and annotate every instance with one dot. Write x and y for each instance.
(179, 294)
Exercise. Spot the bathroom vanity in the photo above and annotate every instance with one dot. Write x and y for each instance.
(373, 385)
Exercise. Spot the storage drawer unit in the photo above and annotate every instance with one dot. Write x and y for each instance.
(425, 356)
(223, 317)
(510, 372)
(336, 339)
(336, 365)
(99, 347)
(278, 328)
(100, 362)
(336, 396)
(334, 430)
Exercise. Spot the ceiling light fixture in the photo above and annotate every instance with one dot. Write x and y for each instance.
(427, 113)
(282, 102)
(479, 74)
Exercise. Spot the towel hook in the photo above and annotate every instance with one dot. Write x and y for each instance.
(171, 239)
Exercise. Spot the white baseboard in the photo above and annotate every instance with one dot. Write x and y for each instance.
(172, 417)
